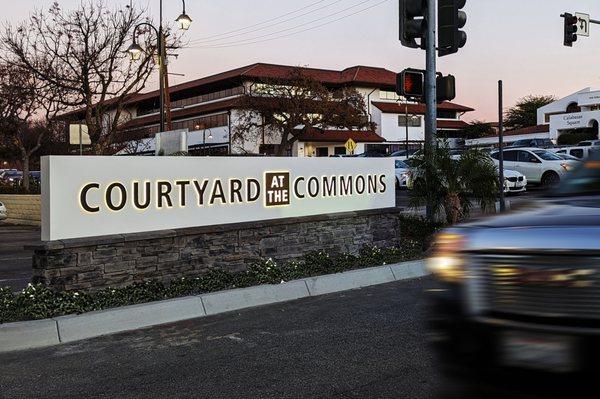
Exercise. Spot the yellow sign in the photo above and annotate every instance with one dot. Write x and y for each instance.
(350, 146)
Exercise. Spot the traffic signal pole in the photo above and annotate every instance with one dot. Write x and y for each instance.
(430, 76)
(430, 88)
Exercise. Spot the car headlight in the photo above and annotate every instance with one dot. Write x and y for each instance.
(566, 166)
(447, 263)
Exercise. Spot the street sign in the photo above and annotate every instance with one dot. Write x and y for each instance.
(583, 24)
(79, 135)
(350, 146)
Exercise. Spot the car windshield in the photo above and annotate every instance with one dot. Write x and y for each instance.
(547, 155)
(585, 180)
(401, 165)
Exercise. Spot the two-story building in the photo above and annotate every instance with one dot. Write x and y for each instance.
(577, 112)
(208, 108)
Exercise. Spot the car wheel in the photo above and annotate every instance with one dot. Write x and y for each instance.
(397, 184)
(550, 179)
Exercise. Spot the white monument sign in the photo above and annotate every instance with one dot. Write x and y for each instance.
(96, 196)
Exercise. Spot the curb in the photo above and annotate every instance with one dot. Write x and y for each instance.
(63, 329)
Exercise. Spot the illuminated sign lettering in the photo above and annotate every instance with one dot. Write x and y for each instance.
(90, 196)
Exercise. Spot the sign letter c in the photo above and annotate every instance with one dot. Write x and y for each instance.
(83, 198)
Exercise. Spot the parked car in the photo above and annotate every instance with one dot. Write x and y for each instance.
(537, 143)
(567, 157)
(34, 178)
(4, 172)
(11, 177)
(403, 153)
(538, 165)
(3, 214)
(589, 143)
(514, 182)
(402, 174)
(515, 300)
(578, 152)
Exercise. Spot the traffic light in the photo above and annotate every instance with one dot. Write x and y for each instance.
(413, 24)
(450, 20)
(570, 29)
(410, 83)
(446, 88)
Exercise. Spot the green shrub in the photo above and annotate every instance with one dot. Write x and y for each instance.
(40, 302)
(575, 137)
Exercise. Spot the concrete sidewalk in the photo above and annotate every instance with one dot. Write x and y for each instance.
(41, 333)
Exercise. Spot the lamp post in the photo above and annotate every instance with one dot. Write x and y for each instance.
(135, 51)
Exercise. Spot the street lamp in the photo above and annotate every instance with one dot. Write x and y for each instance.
(184, 20)
(135, 51)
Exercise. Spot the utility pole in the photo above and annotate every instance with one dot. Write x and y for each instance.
(161, 66)
(501, 145)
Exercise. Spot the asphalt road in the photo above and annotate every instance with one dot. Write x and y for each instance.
(15, 262)
(366, 343)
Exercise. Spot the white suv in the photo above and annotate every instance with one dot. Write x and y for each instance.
(538, 165)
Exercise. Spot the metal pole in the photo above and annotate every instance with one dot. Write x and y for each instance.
(80, 139)
(430, 87)
(406, 120)
(161, 70)
(501, 145)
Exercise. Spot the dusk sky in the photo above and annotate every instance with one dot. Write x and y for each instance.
(519, 41)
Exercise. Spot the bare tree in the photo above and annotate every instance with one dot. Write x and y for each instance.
(284, 109)
(28, 108)
(82, 54)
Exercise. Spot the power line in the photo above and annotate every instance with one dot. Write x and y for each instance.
(224, 36)
(254, 41)
(265, 21)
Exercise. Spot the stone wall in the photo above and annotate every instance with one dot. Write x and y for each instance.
(22, 209)
(95, 263)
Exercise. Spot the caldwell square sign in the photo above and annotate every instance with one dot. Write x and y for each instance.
(96, 196)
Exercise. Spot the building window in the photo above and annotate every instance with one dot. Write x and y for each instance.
(322, 151)
(193, 100)
(388, 95)
(339, 150)
(443, 114)
(413, 121)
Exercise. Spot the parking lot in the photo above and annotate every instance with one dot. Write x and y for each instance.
(15, 262)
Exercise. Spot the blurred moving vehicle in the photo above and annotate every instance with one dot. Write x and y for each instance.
(538, 165)
(517, 297)
(402, 174)
(3, 214)
(537, 143)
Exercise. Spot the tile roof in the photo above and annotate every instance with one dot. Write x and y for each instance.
(446, 124)
(419, 109)
(356, 75)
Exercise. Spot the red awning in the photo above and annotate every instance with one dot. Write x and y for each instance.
(419, 109)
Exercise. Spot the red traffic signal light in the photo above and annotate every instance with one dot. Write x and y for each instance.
(410, 83)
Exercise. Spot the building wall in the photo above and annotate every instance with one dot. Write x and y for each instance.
(22, 209)
(392, 132)
(113, 261)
